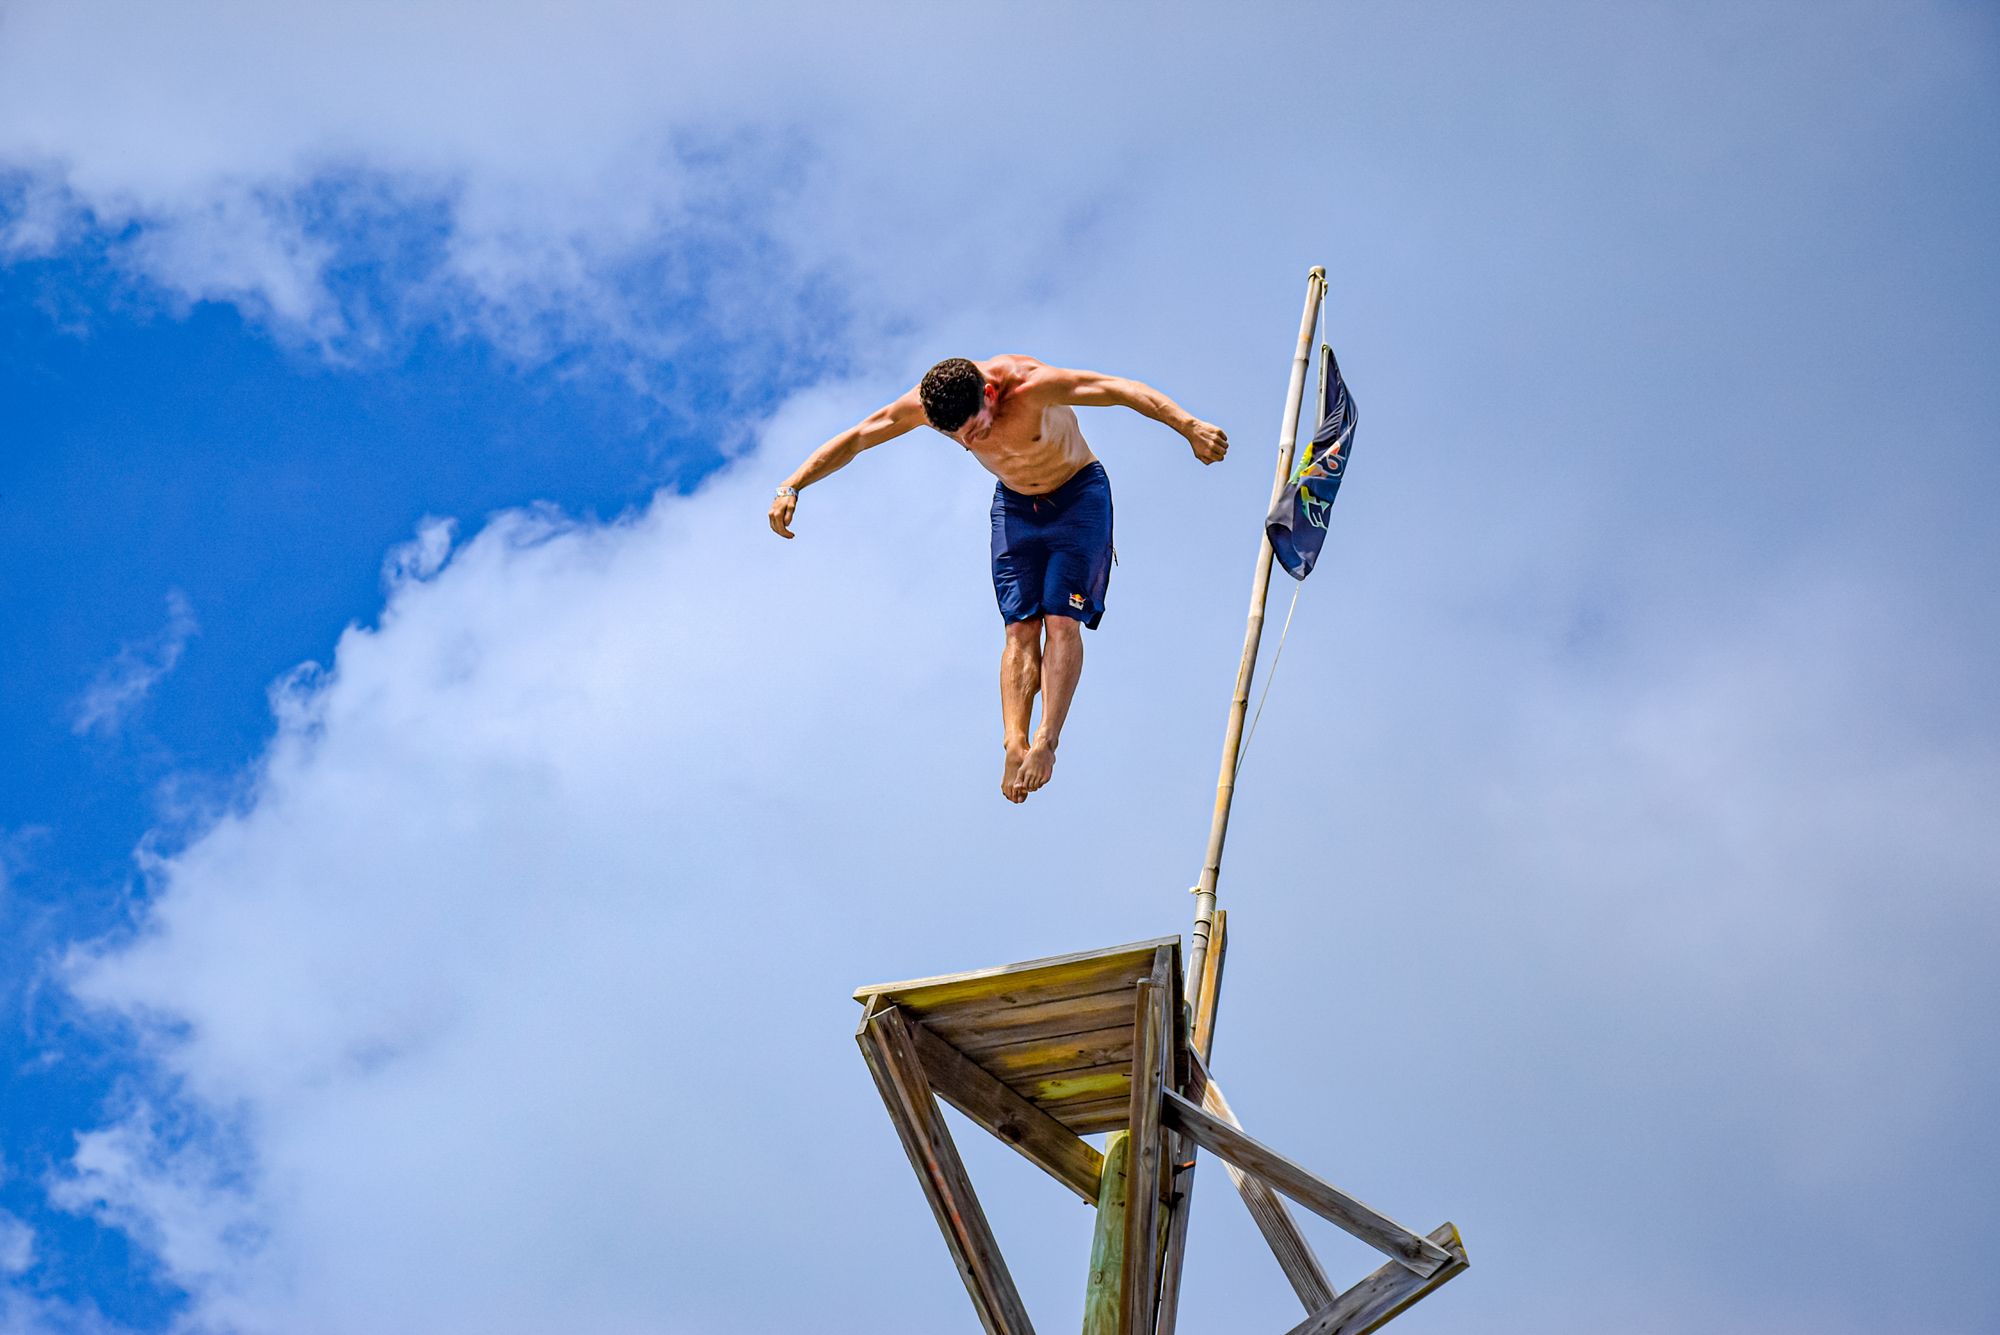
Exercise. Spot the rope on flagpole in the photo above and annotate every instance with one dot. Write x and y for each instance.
(1270, 674)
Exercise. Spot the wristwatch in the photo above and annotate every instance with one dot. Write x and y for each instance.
(789, 491)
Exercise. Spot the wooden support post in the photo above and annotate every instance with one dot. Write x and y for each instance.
(1138, 1288)
(1369, 1305)
(1040, 1138)
(892, 1058)
(1102, 1310)
(1418, 1254)
(1270, 1213)
(1180, 1197)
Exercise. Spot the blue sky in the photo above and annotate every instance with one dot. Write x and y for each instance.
(429, 785)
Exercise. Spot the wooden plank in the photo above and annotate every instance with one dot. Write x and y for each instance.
(1138, 1289)
(1079, 1086)
(1038, 1137)
(1270, 1213)
(973, 1031)
(1090, 1119)
(892, 1059)
(1107, 1244)
(1085, 971)
(1370, 1305)
(1335, 1206)
(1052, 1056)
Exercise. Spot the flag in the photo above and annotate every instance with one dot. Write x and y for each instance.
(1297, 523)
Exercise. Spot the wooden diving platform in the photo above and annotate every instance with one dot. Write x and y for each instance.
(1045, 1052)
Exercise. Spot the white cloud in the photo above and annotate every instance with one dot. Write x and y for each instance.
(124, 683)
(17, 1245)
(518, 983)
(567, 175)
(513, 995)
(422, 556)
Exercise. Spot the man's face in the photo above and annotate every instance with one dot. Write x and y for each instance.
(977, 428)
(980, 425)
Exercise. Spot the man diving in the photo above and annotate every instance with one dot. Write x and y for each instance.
(1051, 517)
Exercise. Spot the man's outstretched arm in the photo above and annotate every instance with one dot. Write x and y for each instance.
(1093, 389)
(885, 423)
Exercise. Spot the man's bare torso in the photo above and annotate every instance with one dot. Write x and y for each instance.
(1033, 447)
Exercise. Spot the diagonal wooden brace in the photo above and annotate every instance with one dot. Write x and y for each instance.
(1418, 1254)
(1273, 1219)
(1038, 1137)
(892, 1058)
(1369, 1305)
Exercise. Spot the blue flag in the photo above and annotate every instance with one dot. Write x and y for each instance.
(1297, 523)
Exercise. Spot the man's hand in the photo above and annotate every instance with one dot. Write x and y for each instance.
(781, 514)
(1210, 442)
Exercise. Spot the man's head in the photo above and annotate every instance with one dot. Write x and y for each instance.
(954, 393)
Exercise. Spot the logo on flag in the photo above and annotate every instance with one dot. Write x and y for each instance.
(1297, 523)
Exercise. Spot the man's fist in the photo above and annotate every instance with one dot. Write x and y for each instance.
(781, 515)
(1210, 442)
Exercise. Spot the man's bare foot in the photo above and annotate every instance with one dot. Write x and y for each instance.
(1038, 764)
(1011, 785)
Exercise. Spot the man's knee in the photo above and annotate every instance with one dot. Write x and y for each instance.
(1027, 632)
(1067, 630)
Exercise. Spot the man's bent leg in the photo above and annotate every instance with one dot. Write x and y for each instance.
(1062, 666)
(1020, 679)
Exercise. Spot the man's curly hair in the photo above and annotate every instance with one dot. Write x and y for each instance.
(953, 392)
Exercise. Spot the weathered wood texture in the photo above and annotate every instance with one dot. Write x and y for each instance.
(1040, 1138)
(1082, 972)
(1330, 1203)
(1101, 1308)
(1387, 1292)
(1180, 1197)
(1174, 1250)
(1057, 1032)
(1138, 1289)
(1273, 1218)
(890, 1052)
(1208, 988)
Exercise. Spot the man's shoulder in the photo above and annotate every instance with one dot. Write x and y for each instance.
(1010, 366)
(1020, 376)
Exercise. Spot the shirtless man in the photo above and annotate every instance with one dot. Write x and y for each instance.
(1051, 517)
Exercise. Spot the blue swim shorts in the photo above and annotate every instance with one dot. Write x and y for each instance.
(1052, 553)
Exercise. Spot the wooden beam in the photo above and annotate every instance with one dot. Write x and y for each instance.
(1270, 1213)
(1201, 1034)
(1107, 1045)
(1208, 988)
(1137, 1288)
(1179, 1197)
(1101, 1308)
(892, 1059)
(1219, 1138)
(1369, 1305)
(1038, 1137)
(1058, 974)
(972, 1032)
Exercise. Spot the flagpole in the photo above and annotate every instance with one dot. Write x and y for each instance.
(1260, 590)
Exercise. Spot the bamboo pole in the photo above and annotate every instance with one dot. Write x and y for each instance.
(1239, 703)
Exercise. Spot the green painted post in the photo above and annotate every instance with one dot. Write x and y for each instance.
(1107, 1245)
